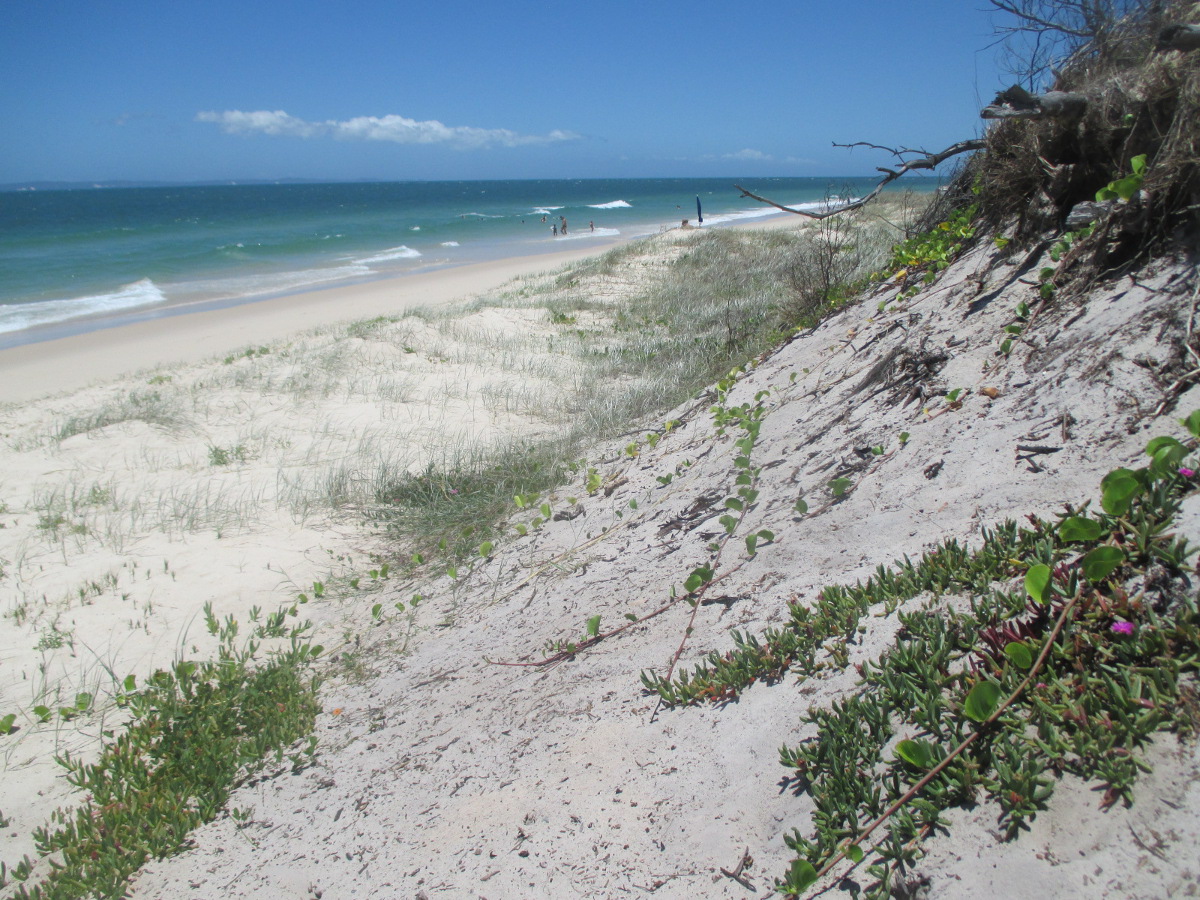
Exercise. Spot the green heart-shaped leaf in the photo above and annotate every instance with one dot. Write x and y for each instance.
(801, 876)
(1161, 441)
(1102, 562)
(1019, 654)
(1077, 528)
(917, 753)
(982, 701)
(1037, 579)
(1192, 423)
(1117, 490)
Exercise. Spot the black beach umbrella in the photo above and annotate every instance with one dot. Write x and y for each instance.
(699, 215)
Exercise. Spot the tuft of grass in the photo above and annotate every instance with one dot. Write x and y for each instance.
(452, 508)
(151, 407)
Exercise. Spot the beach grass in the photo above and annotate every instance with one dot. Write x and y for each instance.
(612, 342)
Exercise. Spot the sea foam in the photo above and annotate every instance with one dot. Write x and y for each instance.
(586, 233)
(14, 317)
(261, 284)
(615, 204)
(401, 252)
(815, 206)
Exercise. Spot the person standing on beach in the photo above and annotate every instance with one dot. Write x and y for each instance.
(553, 229)
(592, 225)
(564, 224)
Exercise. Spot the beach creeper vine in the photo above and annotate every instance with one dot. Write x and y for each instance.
(748, 418)
(1071, 668)
(198, 730)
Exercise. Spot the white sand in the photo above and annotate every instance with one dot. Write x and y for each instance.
(443, 775)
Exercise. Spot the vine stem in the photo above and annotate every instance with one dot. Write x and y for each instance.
(703, 589)
(593, 641)
(957, 751)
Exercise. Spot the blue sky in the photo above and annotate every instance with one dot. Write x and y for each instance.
(363, 89)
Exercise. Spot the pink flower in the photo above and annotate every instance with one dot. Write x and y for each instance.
(1122, 627)
(1187, 473)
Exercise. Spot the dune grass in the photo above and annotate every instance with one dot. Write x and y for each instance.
(624, 337)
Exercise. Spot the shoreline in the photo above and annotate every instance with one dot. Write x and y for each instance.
(104, 351)
(70, 362)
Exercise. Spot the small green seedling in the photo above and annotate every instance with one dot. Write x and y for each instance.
(1125, 188)
(753, 539)
(699, 577)
(839, 486)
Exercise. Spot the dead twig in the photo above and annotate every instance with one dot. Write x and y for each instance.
(736, 874)
(927, 162)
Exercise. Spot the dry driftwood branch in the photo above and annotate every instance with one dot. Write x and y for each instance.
(1179, 37)
(929, 161)
(1018, 103)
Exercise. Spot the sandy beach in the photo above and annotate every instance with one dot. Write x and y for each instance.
(48, 367)
(225, 459)
(204, 459)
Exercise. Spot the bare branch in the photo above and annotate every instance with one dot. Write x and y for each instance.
(929, 161)
(1042, 35)
(895, 151)
(1025, 13)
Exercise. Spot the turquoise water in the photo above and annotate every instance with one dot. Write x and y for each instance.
(86, 258)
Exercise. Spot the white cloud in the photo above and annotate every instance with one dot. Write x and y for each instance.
(396, 129)
(276, 123)
(749, 154)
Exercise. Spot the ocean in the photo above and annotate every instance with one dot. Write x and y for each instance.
(75, 260)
